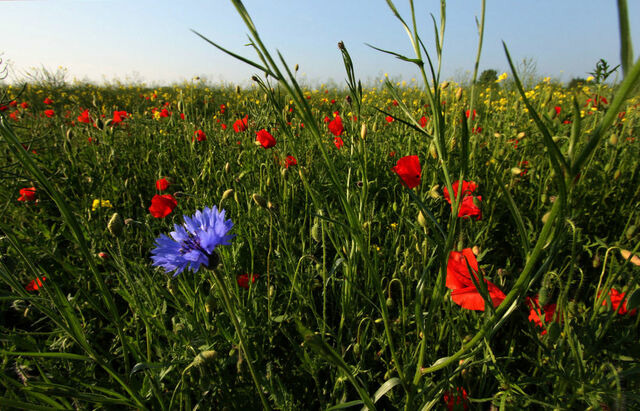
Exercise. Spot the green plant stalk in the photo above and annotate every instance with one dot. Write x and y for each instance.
(514, 294)
(234, 319)
(626, 48)
(472, 93)
(16, 148)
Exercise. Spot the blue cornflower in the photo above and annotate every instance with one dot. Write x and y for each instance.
(192, 243)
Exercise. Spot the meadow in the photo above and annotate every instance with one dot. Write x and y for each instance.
(418, 245)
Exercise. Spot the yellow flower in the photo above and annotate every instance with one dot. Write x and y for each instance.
(394, 225)
(590, 78)
(502, 77)
(100, 203)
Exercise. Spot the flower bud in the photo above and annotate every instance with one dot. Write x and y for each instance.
(458, 94)
(545, 217)
(520, 135)
(203, 358)
(363, 131)
(227, 167)
(516, 171)
(315, 232)
(296, 68)
(433, 151)
(103, 255)
(421, 220)
(209, 303)
(227, 193)
(433, 192)
(444, 85)
(613, 140)
(115, 225)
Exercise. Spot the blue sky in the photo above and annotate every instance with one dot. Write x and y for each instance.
(150, 40)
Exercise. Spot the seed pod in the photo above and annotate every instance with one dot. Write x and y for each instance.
(259, 200)
(115, 225)
(227, 193)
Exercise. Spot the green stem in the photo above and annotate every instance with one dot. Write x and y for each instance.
(243, 346)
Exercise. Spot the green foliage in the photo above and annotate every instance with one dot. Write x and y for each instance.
(351, 306)
(488, 77)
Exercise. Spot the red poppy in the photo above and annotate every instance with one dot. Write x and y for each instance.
(468, 187)
(395, 102)
(463, 290)
(423, 121)
(335, 126)
(181, 116)
(34, 285)
(200, 135)
(14, 115)
(162, 184)
(389, 119)
(243, 280)
(162, 205)
(337, 141)
(473, 117)
(48, 101)
(409, 170)
(265, 138)
(49, 113)
(165, 113)
(241, 124)
(618, 298)
(222, 108)
(290, 161)
(223, 126)
(84, 117)
(534, 311)
(333, 101)
(119, 116)
(27, 194)
(3, 108)
(13, 103)
(24, 105)
(557, 109)
(456, 400)
(392, 154)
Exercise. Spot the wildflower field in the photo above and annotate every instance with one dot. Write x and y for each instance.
(412, 245)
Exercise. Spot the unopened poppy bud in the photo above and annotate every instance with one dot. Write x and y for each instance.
(296, 67)
(545, 217)
(356, 349)
(432, 150)
(283, 172)
(520, 135)
(203, 358)
(596, 261)
(227, 167)
(475, 250)
(616, 175)
(630, 231)
(389, 302)
(237, 89)
(543, 198)
(341, 45)
(497, 135)
(115, 225)
(272, 291)
(255, 78)
(613, 140)
(363, 131)
(315, 232)
(553, 332)
(421, 220)
(516, 171)
(209, 303)
(272, 206)
(259, 200)
(458, 94)
(434, 192)
(227, 193)
(444, 85)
